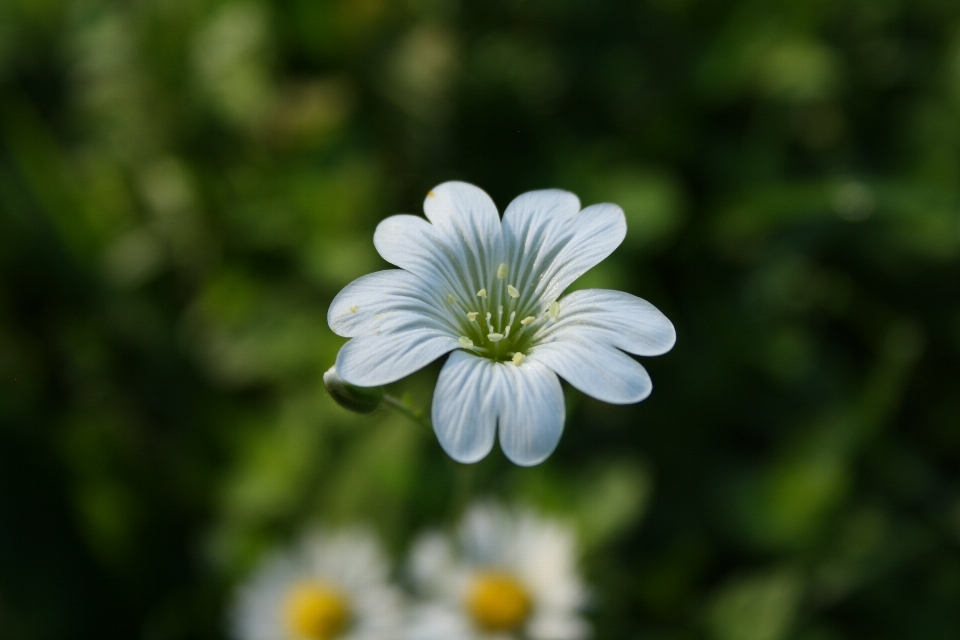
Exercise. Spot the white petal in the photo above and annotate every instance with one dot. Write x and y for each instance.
(383, 300)
(614, 317)
(468, 220)
(598, 370)
(535, 209)
(598, 230)
(532, 413)
(465, 406)
(438, 622)
(412, 243)
(373, 360)
(536, 227)
(459, 208)
(546, 560)
(485, 533)
(558, 626)
(431, 564)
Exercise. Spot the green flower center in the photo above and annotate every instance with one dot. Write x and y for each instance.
(499, 322)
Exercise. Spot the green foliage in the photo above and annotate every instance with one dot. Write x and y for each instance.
(184, 186)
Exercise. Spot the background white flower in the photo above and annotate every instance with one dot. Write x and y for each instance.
(332, 586)
(490, 290)
(507, 575)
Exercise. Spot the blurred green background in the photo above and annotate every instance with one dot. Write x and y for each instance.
(186, 184)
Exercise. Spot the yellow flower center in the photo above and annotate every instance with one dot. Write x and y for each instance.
(498, 602)
(316, 611)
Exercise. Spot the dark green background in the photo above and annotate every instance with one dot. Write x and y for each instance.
(186, 184)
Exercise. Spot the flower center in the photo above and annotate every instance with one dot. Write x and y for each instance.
(499, 322)
(316, 611)
(498, 602)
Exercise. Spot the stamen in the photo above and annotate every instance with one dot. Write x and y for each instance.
(502, 271)
(465, 342)
(354, 308)
(450, 298)
(482, 293)
(495, 337)
(472, 316)
(499, 316)
(513, 316)
(518, 358)
(528, 320)
(489, 315)
(512, 290)
(554, 309)
(506, 333)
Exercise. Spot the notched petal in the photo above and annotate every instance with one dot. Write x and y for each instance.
(616, 318)
(598, 370)
(464, 410)
(531, 414)
(373, 360)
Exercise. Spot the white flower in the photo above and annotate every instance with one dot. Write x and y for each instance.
(333, 586)
(489, 290)
(508, 575)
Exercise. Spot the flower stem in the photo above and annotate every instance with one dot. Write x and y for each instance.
(407, 408)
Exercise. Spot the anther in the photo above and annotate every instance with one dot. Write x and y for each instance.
(495, 337)
(482, 293)
(554, 309)
(502, 271)
(518, 358)
(528, 320)
(506, 333)
(450, 298)
(513, 316)
(489, 316)
(354, 308)
(465, 342)
(512, 290)
(472, 316)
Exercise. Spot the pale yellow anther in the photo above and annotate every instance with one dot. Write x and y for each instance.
(450, 298)
(528, 320)
(495, 337)
(354, 308)
(502, 271)
(512, 290)
(554, 309)
(472, 316)
(506, 333)
(465, 342)
(482, 293)
(518, 358)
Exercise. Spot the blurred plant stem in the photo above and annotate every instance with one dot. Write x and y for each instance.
(406, 406)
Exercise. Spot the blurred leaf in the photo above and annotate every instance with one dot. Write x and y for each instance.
(760, 606)
(612, 500)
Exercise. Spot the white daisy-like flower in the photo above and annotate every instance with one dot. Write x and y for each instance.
(332, 586)
(506, 576)
(489, 290)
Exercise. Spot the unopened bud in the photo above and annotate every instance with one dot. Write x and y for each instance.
(348, 396)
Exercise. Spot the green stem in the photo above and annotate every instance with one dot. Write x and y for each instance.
(408, 409)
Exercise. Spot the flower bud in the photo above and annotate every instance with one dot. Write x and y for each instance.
(348, 396)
